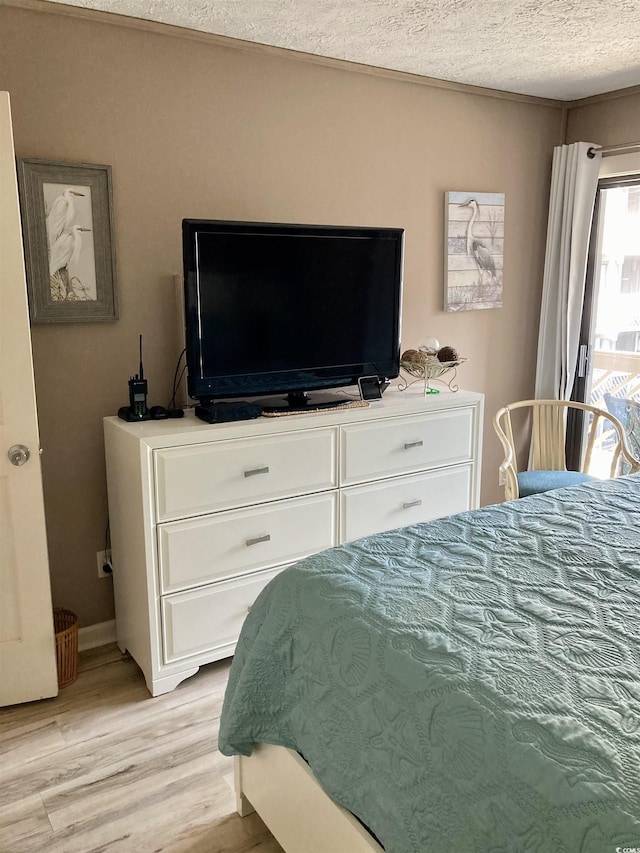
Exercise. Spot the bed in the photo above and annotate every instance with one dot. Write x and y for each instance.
(469, 684)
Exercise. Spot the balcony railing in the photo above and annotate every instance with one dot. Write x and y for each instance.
(618, 374)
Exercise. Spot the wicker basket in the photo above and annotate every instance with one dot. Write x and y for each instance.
(65, 624)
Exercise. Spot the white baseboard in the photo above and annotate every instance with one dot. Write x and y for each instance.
(100, 634)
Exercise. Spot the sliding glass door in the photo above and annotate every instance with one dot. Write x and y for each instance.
(609, 365)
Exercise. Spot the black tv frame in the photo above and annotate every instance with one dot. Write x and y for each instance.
(294, 388)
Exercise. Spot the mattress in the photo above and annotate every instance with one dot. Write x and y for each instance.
(472, 683)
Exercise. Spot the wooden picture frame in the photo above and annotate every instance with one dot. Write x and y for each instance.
(67, 227)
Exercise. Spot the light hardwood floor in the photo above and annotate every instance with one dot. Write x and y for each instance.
(104, 768)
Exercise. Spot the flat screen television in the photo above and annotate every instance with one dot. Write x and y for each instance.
(287, 311)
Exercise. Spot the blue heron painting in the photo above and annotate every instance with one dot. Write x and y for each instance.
(474, 250)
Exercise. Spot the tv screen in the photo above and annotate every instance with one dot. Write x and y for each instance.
(289, 309)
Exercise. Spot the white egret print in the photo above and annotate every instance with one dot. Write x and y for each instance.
(474, 250)
(70, 244)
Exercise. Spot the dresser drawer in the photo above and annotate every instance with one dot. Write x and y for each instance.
(401, 445)
(200, 550)
(405, 500)
(209, 619)
(204, 478)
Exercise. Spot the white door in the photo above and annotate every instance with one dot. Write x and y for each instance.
(27, 642)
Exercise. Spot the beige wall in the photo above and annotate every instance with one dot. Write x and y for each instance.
(606, 122)
(195, 129)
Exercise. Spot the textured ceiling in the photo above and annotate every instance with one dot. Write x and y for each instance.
(563, 49)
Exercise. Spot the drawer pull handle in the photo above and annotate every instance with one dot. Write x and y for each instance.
(257, 539)
(253, 471)
(409, 444)
(409, 504)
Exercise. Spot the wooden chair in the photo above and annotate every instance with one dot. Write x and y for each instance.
(547, 467)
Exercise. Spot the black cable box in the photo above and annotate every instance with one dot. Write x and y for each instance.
(217, 413)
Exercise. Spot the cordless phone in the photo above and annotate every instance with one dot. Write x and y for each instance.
(137, 409)
(138, 392)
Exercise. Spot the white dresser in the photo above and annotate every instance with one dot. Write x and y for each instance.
(203, 516)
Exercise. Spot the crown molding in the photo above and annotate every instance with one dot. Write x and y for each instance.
(258, 49)
(603, 97)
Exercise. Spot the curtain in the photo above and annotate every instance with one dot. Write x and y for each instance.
(574, 182)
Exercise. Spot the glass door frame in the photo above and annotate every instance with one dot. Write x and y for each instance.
(584, 370)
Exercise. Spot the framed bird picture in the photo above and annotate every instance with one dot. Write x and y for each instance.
(67, 228)
(474, 250)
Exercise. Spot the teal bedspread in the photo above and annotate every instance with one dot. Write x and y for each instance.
(470, 684)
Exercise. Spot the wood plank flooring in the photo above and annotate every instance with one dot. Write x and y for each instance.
(104, 768)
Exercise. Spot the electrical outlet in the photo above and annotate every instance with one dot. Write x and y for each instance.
(103, 558)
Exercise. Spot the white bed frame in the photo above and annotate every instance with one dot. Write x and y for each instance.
(278, 784)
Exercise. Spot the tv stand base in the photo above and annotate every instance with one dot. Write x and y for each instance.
(301, 401)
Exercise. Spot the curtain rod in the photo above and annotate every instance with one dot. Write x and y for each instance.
(608, 151)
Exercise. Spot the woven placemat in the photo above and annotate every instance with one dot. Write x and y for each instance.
(356, 404)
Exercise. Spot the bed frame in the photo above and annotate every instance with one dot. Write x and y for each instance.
(278, 784)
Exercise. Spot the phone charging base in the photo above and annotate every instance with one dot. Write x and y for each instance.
(125, 414)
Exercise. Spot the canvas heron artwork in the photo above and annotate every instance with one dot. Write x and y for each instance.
(474, 247)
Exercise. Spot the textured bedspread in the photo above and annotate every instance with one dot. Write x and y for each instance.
(470, 684)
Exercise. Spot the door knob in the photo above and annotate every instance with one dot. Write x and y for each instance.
(18, 454)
